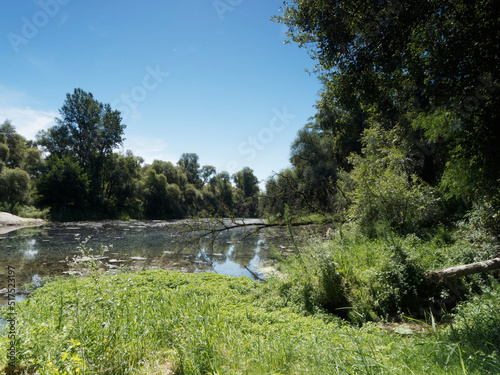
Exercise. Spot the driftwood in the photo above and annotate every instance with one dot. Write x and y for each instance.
(464, 270)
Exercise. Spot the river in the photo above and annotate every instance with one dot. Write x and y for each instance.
(49, 250)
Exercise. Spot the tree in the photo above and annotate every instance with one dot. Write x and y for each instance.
(281, 190)
(246, 181)
(188, 163)
(315, 165)
(161, 199)
(16, 152)
(409, 63)
(383, 188)
(122, 184)
(223, 193)
(64, 186)
(15, 186)
(87, 129)
(19, 163)
(173, 174)
(207, 172)
(247, 186)
(4, 150)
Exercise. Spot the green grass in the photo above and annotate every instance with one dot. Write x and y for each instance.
(167, 322)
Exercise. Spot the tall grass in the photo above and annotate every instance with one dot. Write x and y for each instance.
(168, 322)
(382, 277)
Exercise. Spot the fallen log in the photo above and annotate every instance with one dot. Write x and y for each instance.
(464, 270)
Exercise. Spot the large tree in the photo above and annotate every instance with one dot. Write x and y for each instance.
(188, 163)
(88, 130)
(431, 66)
(247, 182)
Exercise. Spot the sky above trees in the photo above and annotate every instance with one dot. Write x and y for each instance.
(209, 77)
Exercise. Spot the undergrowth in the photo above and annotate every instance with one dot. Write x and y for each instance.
(155, 320)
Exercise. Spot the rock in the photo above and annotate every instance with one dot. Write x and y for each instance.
(117, 261)
(9, 219)
(138, 258)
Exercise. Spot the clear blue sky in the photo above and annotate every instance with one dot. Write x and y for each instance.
(203, 76)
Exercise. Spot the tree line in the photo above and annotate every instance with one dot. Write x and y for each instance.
(406, 130)
(72, 170)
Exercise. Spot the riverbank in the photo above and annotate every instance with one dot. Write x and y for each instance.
(158, 321)
(167, 322)
(9, 222)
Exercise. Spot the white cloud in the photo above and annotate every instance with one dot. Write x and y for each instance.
(149, 149)
(27, 120)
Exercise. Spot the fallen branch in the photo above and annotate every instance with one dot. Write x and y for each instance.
(255, 275)
(464, 270)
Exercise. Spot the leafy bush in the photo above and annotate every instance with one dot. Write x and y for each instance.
(399, 285)
(383, 189)
(478, 322)
(15, 186)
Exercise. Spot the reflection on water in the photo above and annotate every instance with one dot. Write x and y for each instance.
(45, 251)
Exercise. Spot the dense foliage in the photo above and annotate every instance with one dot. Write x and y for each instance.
(407, 121)
(81, 176)
(156, 321)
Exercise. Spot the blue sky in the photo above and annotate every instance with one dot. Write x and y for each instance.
(206, 76)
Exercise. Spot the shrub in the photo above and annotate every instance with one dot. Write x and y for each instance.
(383, 189)
(399, 285)
(478, 322)
(15, 186)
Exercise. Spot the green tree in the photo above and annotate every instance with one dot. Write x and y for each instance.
(404, 62)
(173, 174)
(15, 186)
(16, 151)
(281, 189)
(89, 130)
(247, 189)
(161, 199)
(122, 184)
(316, 168)
(64, 187)
(16, 145)
(223, 193)
(383, 188)
(247, 182)
(207, 172)
(4, 150)
(188, 163)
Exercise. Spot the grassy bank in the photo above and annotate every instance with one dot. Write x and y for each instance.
(160, 322)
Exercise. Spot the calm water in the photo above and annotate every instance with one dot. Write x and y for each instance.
(48, 250)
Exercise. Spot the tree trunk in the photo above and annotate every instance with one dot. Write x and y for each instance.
(465, 270)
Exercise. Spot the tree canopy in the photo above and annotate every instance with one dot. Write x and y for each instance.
(429, 66)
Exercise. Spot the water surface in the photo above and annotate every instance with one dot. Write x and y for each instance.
(49, 250)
